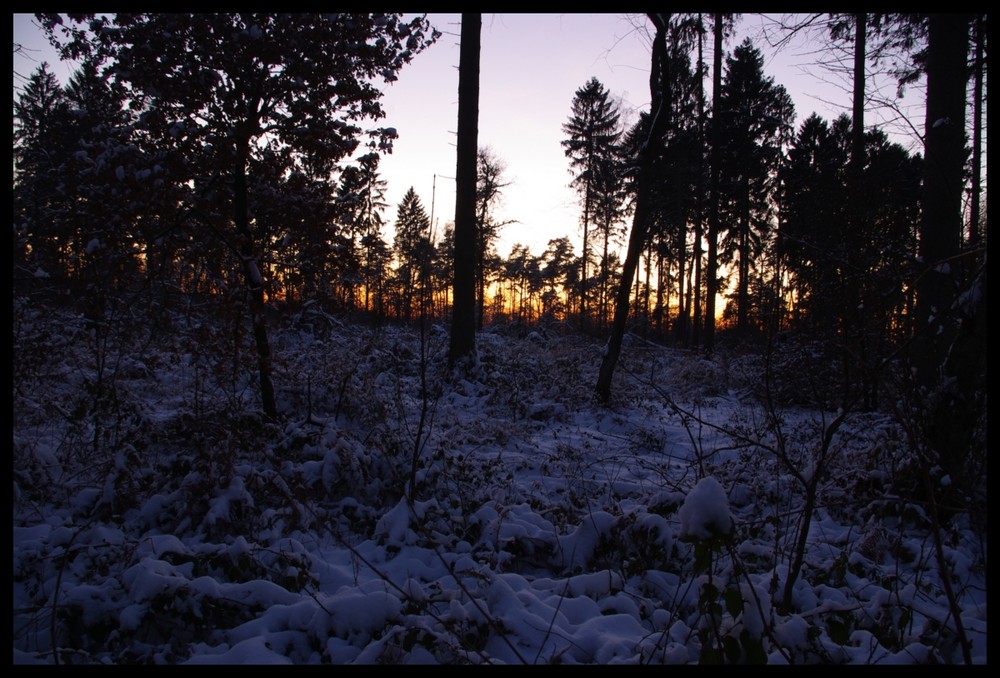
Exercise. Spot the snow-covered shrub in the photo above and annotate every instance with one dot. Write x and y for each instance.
(796, 370)
(694, 377)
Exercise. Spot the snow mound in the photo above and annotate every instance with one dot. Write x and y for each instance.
(705, 513)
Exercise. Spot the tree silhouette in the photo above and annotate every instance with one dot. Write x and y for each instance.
(593, 132)
(659, 83)
(413, 228)
(754, 113)
(490, 182)
(463, 323)
(218, 89)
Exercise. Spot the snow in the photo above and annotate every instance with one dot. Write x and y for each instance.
(705, 512)
(545, 527)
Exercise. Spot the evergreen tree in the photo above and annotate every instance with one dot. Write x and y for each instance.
(593, 132)
(361, 199)
(755, 114)
(42, 144)
(410, 247)
(840, 269)
(722, 23)
(812, 219)
(558, 272)
(660, 94)
(211, 86)
(444, 264)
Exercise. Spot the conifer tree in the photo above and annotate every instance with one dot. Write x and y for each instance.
(211, 86)
(593, 132)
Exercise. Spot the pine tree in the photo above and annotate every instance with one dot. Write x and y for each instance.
(361, 199)
(660, 94)
(558, 274)
(593, 130)
(812, 217)
(210, 86)
(410, 245)
(721, 23)
(42, 143)
(755, 114)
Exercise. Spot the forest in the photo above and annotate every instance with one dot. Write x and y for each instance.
(738, 417)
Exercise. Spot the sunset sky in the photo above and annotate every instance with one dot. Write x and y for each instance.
(531, 66)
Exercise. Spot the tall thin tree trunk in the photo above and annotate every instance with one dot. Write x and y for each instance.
(858, 103)
(659, 89)
(696, 319)
(682, 309)
(855, 330)
(604, 280)
(658, 308)
(480, 283)
(253, 280)
(463, 326)
(711, 268)
(977, 135)
(639, 302)
(664, 289)
(944, 145)
(585, 256)
(743, 278)
(950, 358)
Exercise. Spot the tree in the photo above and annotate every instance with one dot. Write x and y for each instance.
(490, 182)
(593, 130)
(444, 265)
(755, 114)
(722, 23)
(413, 228)
(976, 233)
(362, 198)
(83, 207)
(955, 378)
(41, 146)
(699, 221)
(463, 323)
(675, 186)
(557, 272)
(659, 83)
(216, 90)
(835, 265)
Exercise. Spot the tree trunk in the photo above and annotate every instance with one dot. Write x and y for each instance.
(858, 110)
(856, 320)
(949, 428)
(254, 281)
(584, 257)
(480, 283)
(682, 309)
(463, 327)
(711, 266)
(977, 136)
(602, 321)
(660, 96)
(944, 145)
(743, 278)
(700, 197)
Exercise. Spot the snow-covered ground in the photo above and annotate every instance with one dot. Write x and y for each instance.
(156, 519)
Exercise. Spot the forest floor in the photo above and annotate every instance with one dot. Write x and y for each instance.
(158, 519)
